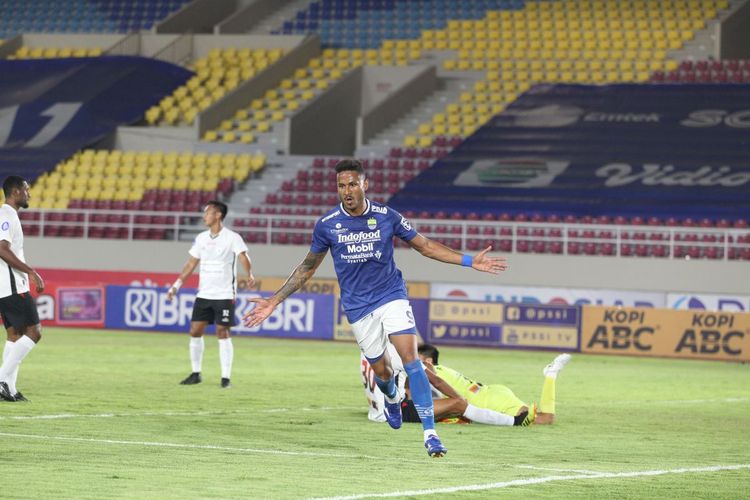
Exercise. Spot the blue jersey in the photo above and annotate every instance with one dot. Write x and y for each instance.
(362, 250)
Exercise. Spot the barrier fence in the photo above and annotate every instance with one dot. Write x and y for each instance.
(468, 235)
(121, 301)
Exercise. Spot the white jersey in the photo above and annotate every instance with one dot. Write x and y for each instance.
(375, 398)
(12, 281)
(218, 256)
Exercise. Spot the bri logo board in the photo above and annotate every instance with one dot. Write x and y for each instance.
(136, 308)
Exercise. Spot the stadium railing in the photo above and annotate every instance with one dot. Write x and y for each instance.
(468, 235)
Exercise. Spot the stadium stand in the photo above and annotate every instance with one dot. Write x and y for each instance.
(500, 48)
(54, 52)
(82, 16)
(221, 71)
(116, 183)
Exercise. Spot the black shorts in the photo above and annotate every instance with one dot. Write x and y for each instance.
(408, 412)
(19, 311)
(220, 312)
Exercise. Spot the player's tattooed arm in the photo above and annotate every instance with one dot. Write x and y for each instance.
(299, 276)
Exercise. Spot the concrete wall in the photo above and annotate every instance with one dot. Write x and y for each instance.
(199, 16)
(388, 93)
(734, 34)
(244, 19)
(327, 126)
(380, 83)
(610, 273)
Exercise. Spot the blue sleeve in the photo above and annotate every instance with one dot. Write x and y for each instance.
(401, 226)
(320, 243)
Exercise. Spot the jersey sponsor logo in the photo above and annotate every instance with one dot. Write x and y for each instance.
(380, 210)
(406, 224)
(5, 226)
(372, 223)
(331, 216)
(360, 237)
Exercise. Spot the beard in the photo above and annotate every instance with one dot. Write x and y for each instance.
(23, 204)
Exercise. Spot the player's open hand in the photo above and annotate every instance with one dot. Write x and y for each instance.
(485, 263)
(263, 309)
(38, 281)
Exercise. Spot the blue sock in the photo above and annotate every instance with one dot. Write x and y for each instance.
(421, 393)
(387, 387)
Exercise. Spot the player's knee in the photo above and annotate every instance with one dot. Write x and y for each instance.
(458, 406)
(34, 333)
(222, 332)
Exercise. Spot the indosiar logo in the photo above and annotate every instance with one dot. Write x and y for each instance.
(549, 116)
(511, 172)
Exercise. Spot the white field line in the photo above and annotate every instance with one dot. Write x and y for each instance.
(169, 413)
(259, 451)
(540, 480)
(188, 446)
(665, 401)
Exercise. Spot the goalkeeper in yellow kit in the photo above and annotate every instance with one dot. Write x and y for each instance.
(463, 392)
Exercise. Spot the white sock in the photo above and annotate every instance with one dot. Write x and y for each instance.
(485, 416)
(6, 352)
(226, 356)
(20, 350)
(196, 353)
(13, 376)
(428, 433)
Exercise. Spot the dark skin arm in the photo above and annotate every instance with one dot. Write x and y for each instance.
(8, 256)
(438, 383)
(301, 275)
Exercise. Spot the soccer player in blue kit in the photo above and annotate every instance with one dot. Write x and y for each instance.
(359, 235)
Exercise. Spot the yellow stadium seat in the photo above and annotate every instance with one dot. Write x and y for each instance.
(410, 141)
(210, 136)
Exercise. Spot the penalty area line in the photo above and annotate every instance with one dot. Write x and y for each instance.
(169, 413)
(539, 480)
(188, 446)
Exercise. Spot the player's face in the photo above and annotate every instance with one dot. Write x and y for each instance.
(23, 196)
(352, 190)
(211, 215)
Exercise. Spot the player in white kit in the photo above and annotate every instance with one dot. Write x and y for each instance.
(17, 306)
(217, 250)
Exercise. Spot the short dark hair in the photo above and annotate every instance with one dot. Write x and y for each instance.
(350, 164)
(12, 182)
(220, 206)
(429, 351)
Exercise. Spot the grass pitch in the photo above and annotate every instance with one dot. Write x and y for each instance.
(108, 419)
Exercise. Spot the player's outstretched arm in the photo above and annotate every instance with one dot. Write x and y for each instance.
(301, 274)
(10, 258)
(187, 270)
(438, 251)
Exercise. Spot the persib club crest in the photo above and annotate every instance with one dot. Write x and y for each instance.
(372, 223)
